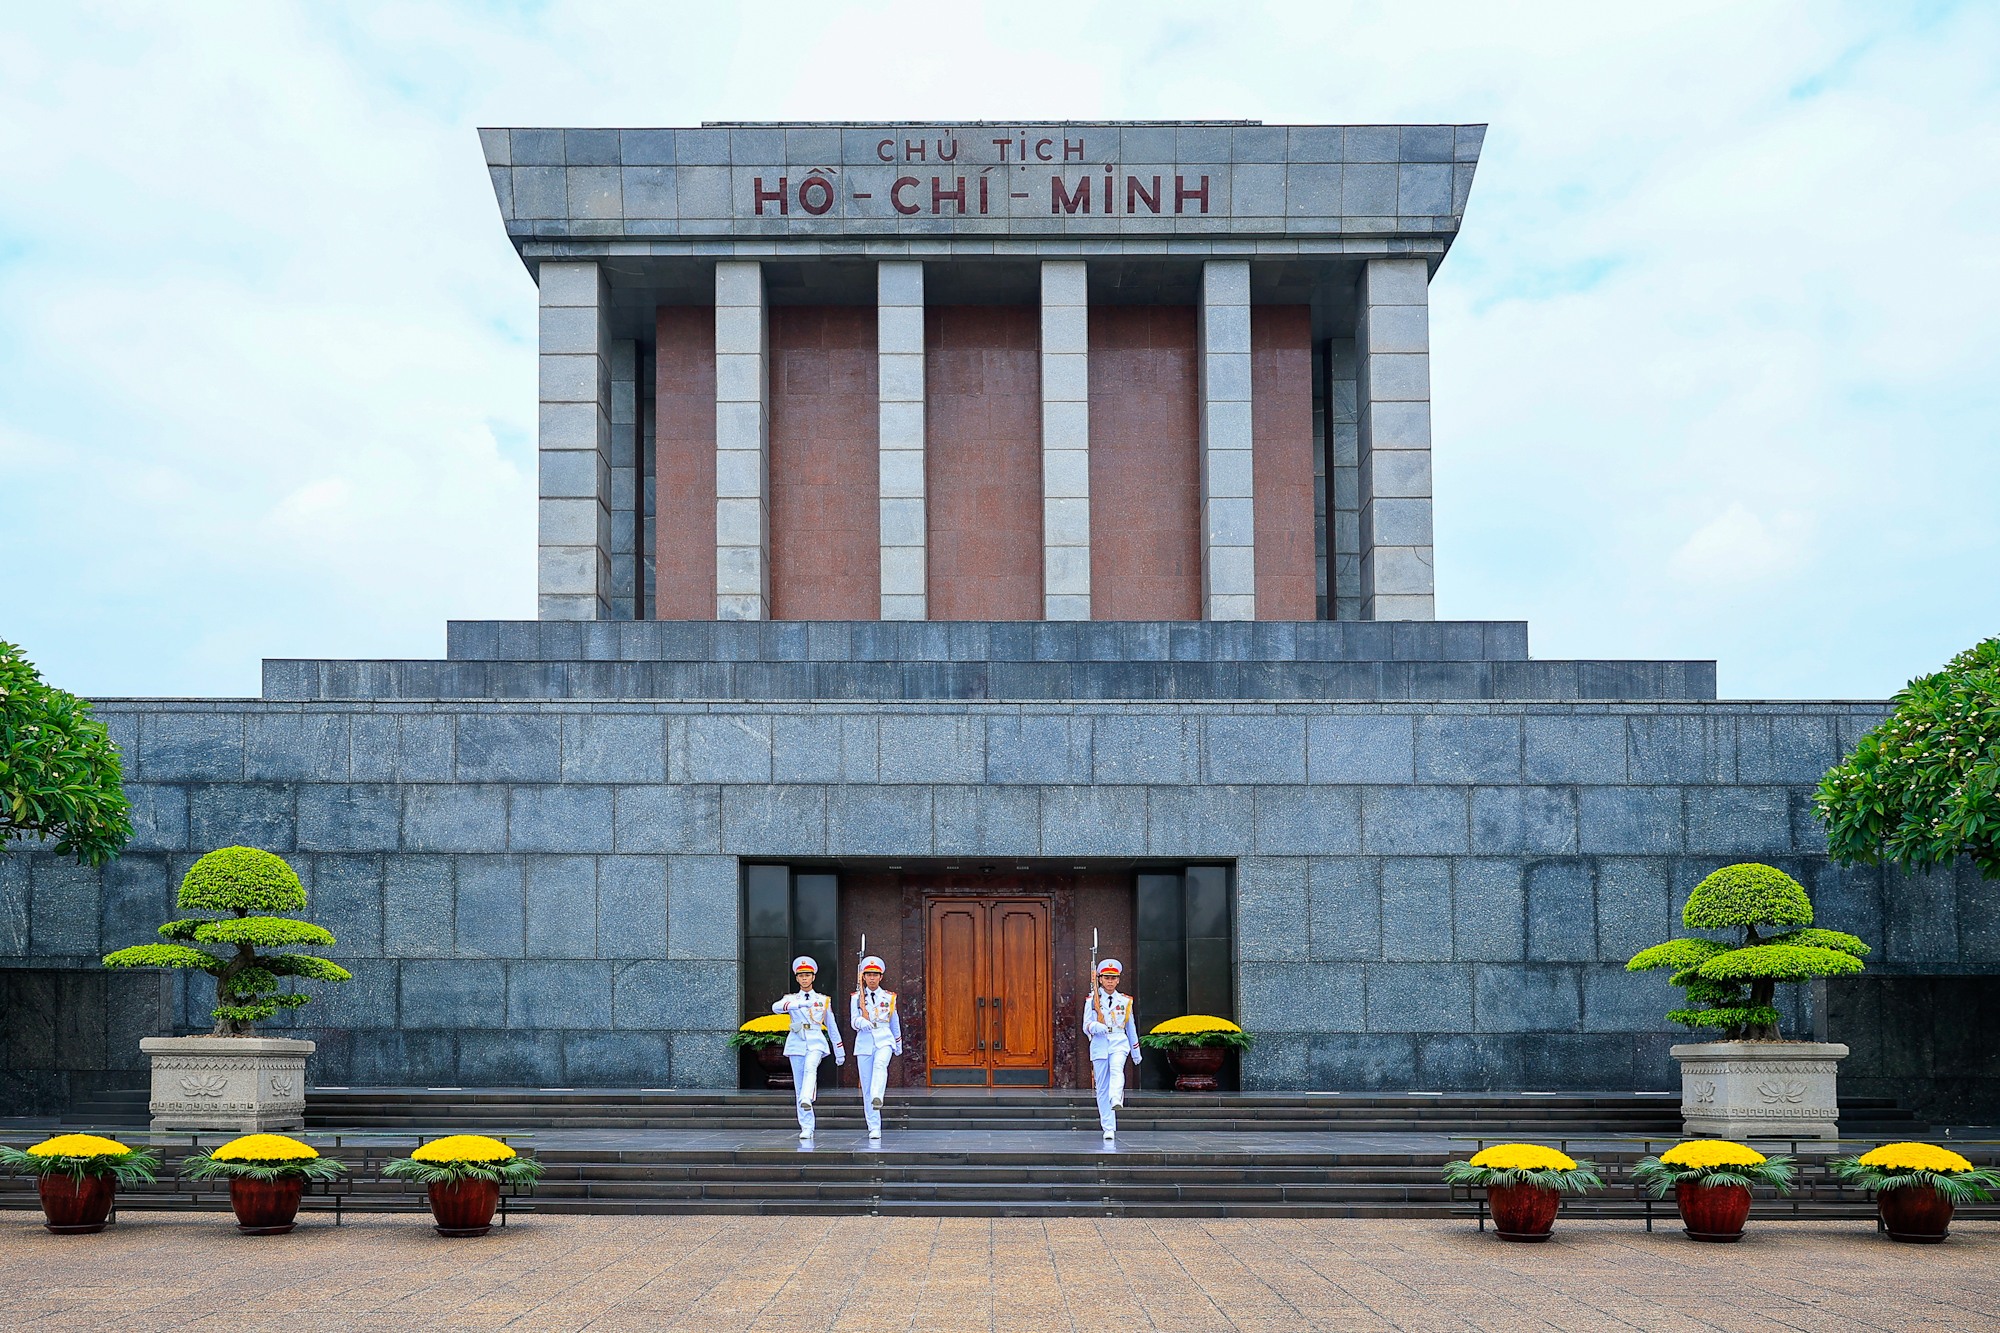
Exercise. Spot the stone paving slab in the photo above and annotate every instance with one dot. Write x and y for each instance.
(624, 1274)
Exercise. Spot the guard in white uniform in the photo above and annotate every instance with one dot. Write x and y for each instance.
(813, 1034)
(1107, 1021)
(878, 1034)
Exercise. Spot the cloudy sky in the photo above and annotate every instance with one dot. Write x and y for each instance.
(1714, 357)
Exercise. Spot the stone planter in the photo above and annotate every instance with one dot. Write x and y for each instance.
(1195, 1067)
(1914, 1214)
(246, 1085)
(1522, 1212)
(1761, 1089)
(1713, 1212)
(777, 1066)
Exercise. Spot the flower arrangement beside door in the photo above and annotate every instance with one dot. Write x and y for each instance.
(1195, 1045)
(764, 1037)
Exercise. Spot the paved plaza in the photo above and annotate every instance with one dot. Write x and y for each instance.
(617, 1274)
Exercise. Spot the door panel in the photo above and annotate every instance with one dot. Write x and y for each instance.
(987, 991)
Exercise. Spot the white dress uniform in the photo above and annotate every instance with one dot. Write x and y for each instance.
(1113, 1039)
(813, 1034)
(878, 1035)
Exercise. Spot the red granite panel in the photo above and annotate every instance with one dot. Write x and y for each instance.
(825, 534)
(982, 437)
(871, 904)
(1145, 491)
(1281, 460)
(684, 463)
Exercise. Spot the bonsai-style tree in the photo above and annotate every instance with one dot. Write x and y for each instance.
(242, 881)
(59, 772)
(1730, 986)
(1923, 787)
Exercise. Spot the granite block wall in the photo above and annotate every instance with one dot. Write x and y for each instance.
(1430, 896)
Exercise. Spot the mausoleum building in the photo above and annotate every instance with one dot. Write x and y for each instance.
(985, 538)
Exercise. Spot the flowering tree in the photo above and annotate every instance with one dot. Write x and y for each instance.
(1923, 787)
(59, 772)
(241, 880)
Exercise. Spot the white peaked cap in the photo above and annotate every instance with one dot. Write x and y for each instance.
(872, 961)
(803, 963)
(1110, 965)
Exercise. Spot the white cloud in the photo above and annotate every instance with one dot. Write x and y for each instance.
(1725, 301)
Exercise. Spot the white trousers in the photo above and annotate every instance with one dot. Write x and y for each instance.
(805, 1080)
(874, 1084)
(1108, 1073)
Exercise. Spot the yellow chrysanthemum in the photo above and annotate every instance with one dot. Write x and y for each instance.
(1523, 1157)
(264, 1148)
(463, 1148)
(1915, 1157)
(768, 1023)
(1711, 1152)
(1197, 1023)
(78, 1145)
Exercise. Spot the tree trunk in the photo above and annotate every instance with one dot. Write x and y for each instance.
(1762, 991)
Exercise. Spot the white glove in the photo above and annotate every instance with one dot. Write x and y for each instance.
(1135, 1055)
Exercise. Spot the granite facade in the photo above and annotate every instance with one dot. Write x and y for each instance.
(1430, 896)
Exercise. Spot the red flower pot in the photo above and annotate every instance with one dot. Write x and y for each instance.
(1914, 1214)
(1713, 1212)
(777, 1066)
(465, 1207)
(76, 1207)
(266, 1207)
(1195, 1067)
(1522, 1212)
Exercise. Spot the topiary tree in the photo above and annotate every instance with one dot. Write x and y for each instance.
(1923, 787)
(59, 772)
(241, 880)
(1731, 986)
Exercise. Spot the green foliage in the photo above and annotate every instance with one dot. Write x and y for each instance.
(1661, 1177)
(1957, 1186)
(1168, 1041)
(242, 880)
(1730, 986)
(265, 931)
(1574, 1181)
(1781, 962)
(1923, 787)
(756, 1041)
(60, 775)
(131, 1168)
(200, 1166)
(512, 1171)
(248, 985)
(1747, 895)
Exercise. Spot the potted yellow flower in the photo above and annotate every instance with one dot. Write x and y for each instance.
(1524, 1184)
(1194, 1045)
(267, 1175)
(1711, 1180)
(465, 1173)
(80, 1175)
(1916, 1187)
(764, 1037)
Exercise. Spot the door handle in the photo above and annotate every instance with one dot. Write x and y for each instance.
(981, 1046)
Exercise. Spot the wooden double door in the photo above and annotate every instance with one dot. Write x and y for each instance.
(987, 992)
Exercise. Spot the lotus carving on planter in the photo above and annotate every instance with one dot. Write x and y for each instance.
(267, 1175)
(1195, 1045)
(1916, 1187)
(464, 1173)
(1524, 1185)
(79, 1178)
(1711, 1180)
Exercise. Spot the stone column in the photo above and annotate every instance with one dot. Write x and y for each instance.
(1393, 404)
(899, 345)
(1065, 441)
(742, 443)
(1228, 506)
(624, 479)
(573, 580)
